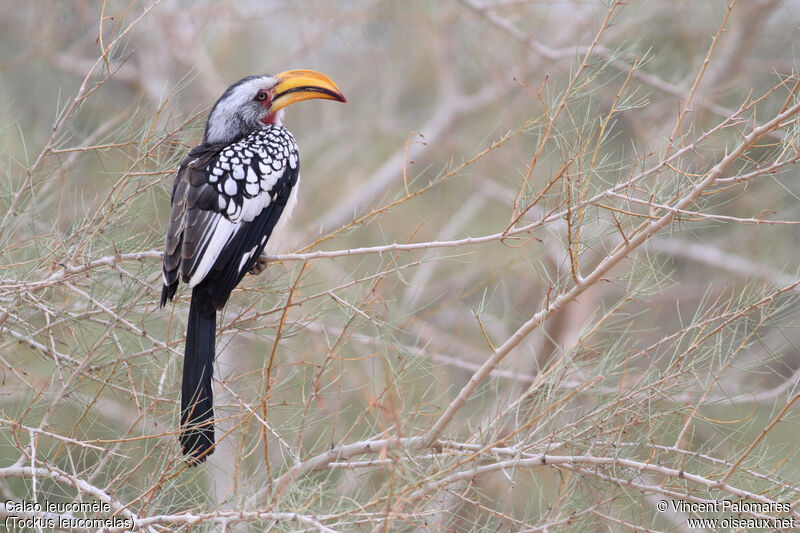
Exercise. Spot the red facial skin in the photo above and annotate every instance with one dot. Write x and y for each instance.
(269, 118)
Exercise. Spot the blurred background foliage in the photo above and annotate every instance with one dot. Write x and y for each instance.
(680, 357)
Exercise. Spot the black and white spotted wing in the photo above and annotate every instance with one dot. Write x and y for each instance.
(226, 200)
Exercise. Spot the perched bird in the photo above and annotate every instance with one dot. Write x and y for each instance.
(230, 193)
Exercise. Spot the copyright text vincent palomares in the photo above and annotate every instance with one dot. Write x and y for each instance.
(50, 515)
(747, 515)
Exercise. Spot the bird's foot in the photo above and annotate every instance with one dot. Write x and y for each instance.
(259, 266)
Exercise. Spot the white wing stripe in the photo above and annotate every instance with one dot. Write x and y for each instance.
(221, 234)
(246, 257)
(252, 207)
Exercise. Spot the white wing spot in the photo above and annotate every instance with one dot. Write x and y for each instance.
(230, 187)
(251, 175)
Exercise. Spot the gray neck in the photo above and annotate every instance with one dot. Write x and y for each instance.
(225, 129)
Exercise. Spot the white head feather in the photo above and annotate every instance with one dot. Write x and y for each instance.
(236, 113)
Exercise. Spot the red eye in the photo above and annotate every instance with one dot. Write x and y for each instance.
(262, 96)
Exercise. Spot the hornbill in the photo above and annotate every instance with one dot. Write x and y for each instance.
(229, 195)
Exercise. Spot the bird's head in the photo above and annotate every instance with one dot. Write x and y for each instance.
(257, 101)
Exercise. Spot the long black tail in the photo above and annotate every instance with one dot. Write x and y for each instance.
(197, 397)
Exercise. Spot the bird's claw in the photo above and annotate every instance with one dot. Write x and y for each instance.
(259, 266)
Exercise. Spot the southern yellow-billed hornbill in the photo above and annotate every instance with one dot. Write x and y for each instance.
(229, 194)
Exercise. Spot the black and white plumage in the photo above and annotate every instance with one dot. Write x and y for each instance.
(226, 200)
(229, 195)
